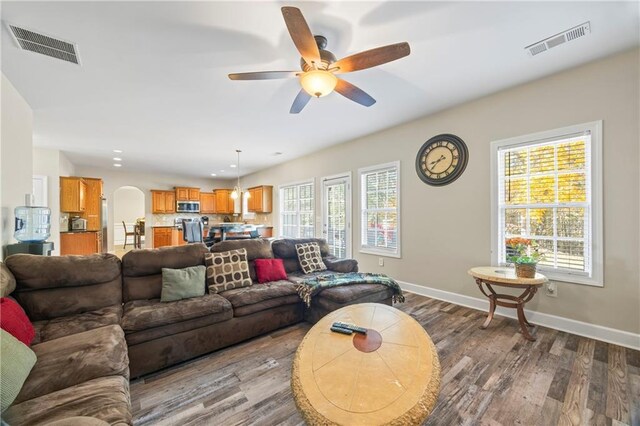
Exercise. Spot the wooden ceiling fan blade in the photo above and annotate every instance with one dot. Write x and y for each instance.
(372, 58)
(354, 93)
(301, 35)
(263, 75)
(300, 102)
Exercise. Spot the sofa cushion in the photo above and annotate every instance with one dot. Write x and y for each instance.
(285, 248)
(55, 286)
(7, 281)
(145, 314)
(268, 270)
(309, 258)
(17, 362)
(137, 337)
(74, 359)
(72, 324)
(142, 269)
(105, 398)
(185, 283)
(13, 320)
(340, 265)
(227, 270)
(257, 248)
(257, 298)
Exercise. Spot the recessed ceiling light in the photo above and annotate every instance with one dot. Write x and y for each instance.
(117, 159)
(117, 151)
(117, 165)
(213, 174)
(233, 166)
(277, 153)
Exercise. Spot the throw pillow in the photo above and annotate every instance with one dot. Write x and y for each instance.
(310, 258)
(268, 270)
(227, 270)
(17, 361)
(178, 284)
(14, 321)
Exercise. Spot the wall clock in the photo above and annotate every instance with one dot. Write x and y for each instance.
(442, 159)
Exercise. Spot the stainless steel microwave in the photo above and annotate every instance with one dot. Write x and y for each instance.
(188, 207)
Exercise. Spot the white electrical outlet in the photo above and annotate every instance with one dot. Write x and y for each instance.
(551, 289)
(381, 261)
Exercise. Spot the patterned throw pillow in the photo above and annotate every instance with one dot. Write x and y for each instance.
(310, 258)
(227, 270)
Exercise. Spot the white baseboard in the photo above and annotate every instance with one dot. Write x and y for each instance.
(593, 331)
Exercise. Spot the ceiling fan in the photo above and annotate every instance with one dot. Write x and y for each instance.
(319, 66)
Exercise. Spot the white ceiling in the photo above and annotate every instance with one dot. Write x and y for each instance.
(153, 80)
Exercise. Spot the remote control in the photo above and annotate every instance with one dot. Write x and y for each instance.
(341, 330)
(351, 327)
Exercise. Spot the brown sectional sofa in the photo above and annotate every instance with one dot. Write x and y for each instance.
(75, 303)
(97, 319)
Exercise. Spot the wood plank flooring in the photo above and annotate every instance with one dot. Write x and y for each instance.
(489, 377)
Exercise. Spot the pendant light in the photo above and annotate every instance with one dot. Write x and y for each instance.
(237, 190)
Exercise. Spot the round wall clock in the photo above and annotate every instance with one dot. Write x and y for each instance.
(442, 159)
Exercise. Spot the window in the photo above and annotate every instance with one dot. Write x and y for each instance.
(297, 210)
(380, 209)
(547, 187)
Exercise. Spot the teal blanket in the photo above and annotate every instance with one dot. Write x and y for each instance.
(312, 286)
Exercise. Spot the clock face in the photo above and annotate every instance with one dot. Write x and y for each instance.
(441, 160)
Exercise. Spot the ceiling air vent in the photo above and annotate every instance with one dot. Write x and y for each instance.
(558, 39)
(45, 45)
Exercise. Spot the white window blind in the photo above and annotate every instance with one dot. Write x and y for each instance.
(380, 208)
(297, 210)
(545, 194)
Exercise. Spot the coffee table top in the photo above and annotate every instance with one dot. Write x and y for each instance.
(391, 374)
(504, 275)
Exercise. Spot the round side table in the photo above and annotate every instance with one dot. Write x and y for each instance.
(506, 277)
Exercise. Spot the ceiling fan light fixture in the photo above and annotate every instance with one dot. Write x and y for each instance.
(318, 83)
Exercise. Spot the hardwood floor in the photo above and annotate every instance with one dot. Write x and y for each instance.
(489, 377)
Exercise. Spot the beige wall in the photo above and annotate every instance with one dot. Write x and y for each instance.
(114, 179)
(16, 146)
(446, 230)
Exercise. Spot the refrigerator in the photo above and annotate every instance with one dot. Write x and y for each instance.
(103, 225)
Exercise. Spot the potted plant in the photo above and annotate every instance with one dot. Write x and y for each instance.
(524, 254)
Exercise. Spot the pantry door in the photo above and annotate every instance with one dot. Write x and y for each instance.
(336, 214)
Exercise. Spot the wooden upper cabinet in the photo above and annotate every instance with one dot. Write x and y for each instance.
(73, 194)
(163, 201)
(260, 199)
(93, 203)
(187, 194)
(224, 202)
(207, 202)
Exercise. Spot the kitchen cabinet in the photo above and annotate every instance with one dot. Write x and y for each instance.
(163, 201)
(93, 203)
(224, 203)
(79, 243)
(73, 192)
(187, 194)
(207, 203)
(265, 231)
(167, 236)
(260, 199)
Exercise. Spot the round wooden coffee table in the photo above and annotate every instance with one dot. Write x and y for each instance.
(391, 375)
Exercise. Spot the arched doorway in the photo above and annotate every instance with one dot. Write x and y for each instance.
(128, 209)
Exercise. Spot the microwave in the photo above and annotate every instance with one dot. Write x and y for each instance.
(188, 207)
(78, 224)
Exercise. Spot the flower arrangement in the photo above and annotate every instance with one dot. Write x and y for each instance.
(524, 254)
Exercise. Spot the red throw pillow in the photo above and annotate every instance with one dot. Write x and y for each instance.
(14, 321)
(270, 270)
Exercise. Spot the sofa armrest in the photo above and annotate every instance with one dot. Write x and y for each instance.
(341, 265)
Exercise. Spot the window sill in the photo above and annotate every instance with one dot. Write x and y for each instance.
(382, 253)
(571, 278)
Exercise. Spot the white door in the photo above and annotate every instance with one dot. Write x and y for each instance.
(336, 214)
